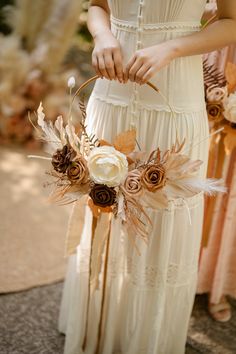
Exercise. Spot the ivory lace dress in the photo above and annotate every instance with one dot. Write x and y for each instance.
(149, 297)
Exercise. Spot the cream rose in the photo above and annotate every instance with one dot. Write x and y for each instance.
(107, 166)
(230, 108)
(215, 94)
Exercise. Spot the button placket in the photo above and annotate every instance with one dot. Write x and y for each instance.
(135, 95)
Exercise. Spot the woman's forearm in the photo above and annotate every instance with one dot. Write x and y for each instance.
(215, 36)
(98, 20)
(107, 56)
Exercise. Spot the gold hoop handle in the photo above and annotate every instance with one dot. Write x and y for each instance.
(94, 78)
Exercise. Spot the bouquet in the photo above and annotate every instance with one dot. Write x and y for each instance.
(220, 92)
(116, 177)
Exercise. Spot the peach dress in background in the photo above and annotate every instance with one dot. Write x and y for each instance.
(217, 271)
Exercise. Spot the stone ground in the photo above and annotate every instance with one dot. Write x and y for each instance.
(28, 325)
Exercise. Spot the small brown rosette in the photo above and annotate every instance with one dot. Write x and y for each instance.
(153, 177)
(102, 195)
(132, 184)
(214, 111)
(77, 171)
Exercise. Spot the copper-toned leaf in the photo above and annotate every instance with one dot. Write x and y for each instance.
(104, 143)
(125, 142)
(230, 73)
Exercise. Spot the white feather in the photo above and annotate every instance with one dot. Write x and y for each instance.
(59, 126)
(50, 135)
(209, 186)
(72, 136)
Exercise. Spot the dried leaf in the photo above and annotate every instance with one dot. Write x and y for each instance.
(104, 143)
(126, 142)
(212, 76)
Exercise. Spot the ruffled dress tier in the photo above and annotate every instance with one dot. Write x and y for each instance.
(149, 297)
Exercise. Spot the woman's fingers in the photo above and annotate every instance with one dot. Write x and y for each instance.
(109, 64)
(102, 67)
(147, 76)
(128, 67)
(95, 65)
(141, 73)
(117, 57)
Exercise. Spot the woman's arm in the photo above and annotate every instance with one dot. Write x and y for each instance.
(146, 62)
(106, 56)
(215, 36)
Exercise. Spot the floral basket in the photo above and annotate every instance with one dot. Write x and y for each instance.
(116, 177)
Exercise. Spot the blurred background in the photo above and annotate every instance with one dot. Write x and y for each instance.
(43, 43)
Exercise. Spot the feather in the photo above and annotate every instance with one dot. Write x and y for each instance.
(50, 135)
(209, 186)
(59, 126)
(188, 187)
(178, 166)
(72, 137)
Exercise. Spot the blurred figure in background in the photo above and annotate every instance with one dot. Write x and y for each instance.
(217, 272)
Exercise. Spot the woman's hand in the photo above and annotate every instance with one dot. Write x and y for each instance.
(107, 56)
(146, 62)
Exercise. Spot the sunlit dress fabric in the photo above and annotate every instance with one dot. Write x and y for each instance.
(149, 297)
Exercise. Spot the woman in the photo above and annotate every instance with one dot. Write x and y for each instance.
(217, 270)
(148, 297)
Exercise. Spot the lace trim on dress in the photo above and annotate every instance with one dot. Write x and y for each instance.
(148, 278)
(165, 26)
(157, 108)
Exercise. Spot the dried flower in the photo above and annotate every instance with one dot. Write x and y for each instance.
(153, 177)
(107, 166)
(71, 82)
(103, 195)
(77, 171)
(230, 108)
(216, 94)
(62, 158)
(214, 110)
(132, 183)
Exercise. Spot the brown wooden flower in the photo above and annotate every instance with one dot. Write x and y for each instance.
(214, 110)
(103, 195)
(153, 177)
(77, 171)
(132, 184)
(62, 158)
